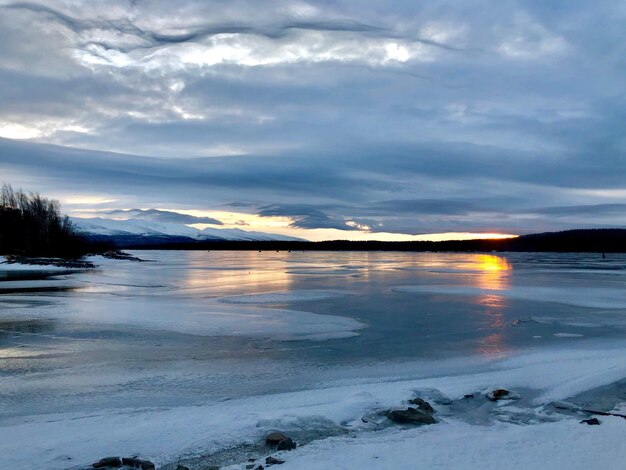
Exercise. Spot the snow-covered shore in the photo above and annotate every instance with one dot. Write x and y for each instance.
(510, 435)
(561, 445)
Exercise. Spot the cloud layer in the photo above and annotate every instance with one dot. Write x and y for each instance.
(409, 117)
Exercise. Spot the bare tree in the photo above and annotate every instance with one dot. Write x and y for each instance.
(32, 224)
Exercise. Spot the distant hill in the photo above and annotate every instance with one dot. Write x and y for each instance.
(592, 240)
(138, 233)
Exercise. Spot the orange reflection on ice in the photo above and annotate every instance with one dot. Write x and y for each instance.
(493, 274)
(242, 273)
(492, 345)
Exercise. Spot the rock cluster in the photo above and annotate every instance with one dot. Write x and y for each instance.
(117, 462)
(422, 405)
(422, 414)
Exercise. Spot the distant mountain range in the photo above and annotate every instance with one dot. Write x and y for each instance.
(137, 232)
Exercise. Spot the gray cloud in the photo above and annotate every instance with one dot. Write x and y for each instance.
(162, 216)
(588, 210)
(305, 216)
(199, 32)
(409, 117)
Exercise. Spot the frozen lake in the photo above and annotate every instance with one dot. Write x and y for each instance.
(91, 362)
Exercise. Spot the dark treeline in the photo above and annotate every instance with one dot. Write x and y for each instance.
(592, 240)
(32, 225)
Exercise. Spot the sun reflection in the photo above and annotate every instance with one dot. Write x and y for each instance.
(493, 275)
(493, 272)
(246, 272)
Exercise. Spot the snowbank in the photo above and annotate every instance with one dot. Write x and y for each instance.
(455, 445)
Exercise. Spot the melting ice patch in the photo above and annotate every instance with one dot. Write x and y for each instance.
(282, 297)
(592, 297)
(194, 317)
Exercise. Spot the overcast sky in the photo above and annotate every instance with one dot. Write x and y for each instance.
(329, 119)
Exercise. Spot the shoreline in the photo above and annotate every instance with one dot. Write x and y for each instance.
(328, 418)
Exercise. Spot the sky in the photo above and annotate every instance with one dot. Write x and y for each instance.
(324, 120)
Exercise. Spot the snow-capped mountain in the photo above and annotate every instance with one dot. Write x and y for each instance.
(150, 231)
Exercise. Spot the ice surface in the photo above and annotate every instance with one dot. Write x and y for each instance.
(182, 357)
(593, 297)
(286, 296)
(611, 319)
(45, 284)
(204, 318)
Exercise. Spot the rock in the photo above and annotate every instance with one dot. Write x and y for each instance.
(182, 467)
(469, 395)
(274, 438)
(497, 394)
(410, 416)
(250, 466)
(422, 405)
(563, 405)
(114, 462)
(138, 463)
(286, 444)
(591, 421)
(501, 394)
(273, 461)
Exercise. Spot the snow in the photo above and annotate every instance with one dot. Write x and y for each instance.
(115, 227)
(562, 445)
(165, 434)
(100, 226)
(238, 234)
(592, 297)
